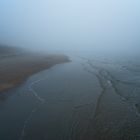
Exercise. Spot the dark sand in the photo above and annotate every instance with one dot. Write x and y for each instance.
(17, 65)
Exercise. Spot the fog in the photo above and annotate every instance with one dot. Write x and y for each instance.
(95, 95)
(78, 25)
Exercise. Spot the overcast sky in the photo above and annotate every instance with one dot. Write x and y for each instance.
(70, 23)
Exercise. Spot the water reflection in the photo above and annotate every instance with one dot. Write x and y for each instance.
(88, 98)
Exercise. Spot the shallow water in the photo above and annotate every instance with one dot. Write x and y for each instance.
(92, 97)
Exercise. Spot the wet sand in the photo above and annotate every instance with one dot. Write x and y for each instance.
(90, 98)
(17, 65)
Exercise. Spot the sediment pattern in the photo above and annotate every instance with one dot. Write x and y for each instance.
(108, 118)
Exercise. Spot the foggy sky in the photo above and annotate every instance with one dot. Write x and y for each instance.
(77, 24)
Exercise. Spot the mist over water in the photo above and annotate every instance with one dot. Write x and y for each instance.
(78, 25)
(96, 95)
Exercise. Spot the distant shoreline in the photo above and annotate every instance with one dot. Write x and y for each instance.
(15, 69)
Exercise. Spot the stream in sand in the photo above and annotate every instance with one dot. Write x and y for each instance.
(92, 97)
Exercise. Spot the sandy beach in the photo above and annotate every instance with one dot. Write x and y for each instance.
(17, 65)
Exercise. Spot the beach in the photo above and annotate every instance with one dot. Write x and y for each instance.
(17, 65)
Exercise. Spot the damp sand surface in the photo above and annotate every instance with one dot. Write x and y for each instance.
(93, 97)
(17, 65)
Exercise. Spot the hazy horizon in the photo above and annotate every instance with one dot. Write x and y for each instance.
(76, 24)
(94, 94)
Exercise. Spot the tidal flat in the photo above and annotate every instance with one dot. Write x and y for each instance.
(92, 97)
(17, 65)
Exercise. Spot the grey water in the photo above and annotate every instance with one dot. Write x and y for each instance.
(92, 97)
(96, 96)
